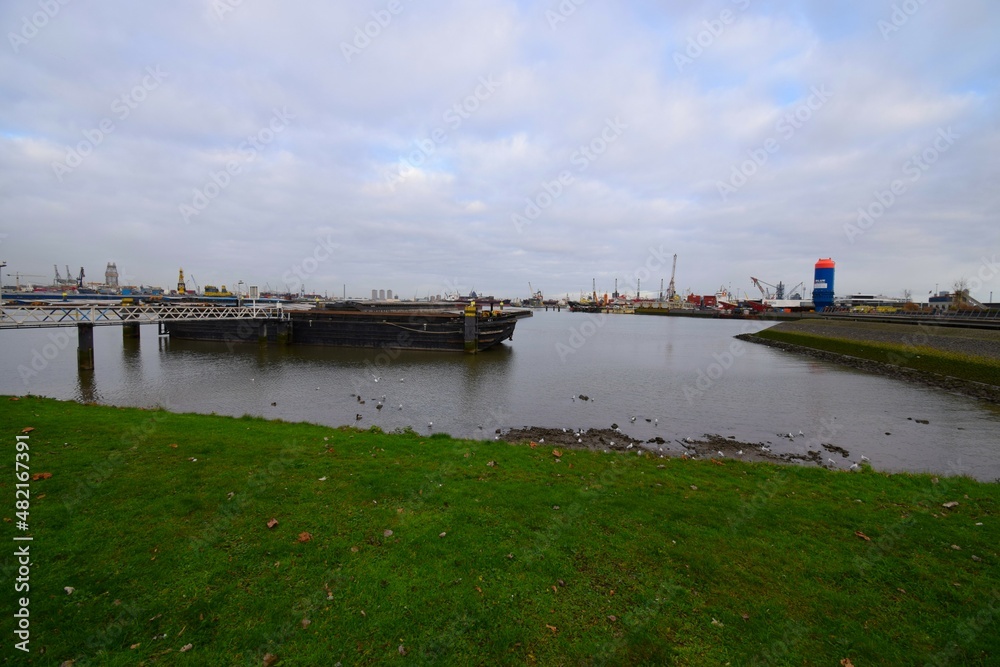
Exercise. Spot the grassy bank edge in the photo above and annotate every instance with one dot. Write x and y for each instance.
(917, 358)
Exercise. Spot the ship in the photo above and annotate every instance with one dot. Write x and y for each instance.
(396, 326)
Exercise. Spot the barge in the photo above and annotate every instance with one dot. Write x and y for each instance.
(413, 326)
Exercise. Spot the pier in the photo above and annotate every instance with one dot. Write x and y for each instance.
(130, 318)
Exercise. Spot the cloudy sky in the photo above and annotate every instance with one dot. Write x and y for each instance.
(432, 147)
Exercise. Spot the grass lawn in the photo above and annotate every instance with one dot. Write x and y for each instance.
(406, 549)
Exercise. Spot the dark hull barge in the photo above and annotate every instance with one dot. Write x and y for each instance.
(447, 327)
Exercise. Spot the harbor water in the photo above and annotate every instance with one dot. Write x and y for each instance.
(666, 377)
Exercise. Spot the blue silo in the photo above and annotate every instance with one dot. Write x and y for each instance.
(823, 284)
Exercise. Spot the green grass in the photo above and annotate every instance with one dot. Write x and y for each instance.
(921, 358)
(760, 564)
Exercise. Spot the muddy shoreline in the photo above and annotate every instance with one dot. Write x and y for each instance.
(986, 392)
(708, 446)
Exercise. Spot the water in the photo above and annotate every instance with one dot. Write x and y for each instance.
(689, 375)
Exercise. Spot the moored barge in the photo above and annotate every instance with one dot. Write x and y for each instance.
(413, 326)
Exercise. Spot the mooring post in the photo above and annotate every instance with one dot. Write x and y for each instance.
(85, 347)
(471, 328)
(130, 330)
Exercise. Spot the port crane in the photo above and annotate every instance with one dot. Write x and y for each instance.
(766, 294)
(18, 276)
(535, 295)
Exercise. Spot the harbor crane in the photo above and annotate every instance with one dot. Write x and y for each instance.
(18, 276)
(767, 295)
(671, 290)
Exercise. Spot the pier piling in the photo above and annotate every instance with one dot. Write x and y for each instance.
(85, 347)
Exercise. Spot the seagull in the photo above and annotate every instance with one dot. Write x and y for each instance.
(739, 453)
(628, 446)
(632, 418)
(831, 462)
(376, 378)
(400, 379)
(854, 466)
(720, 453)
(541, 440)
(790, 436)
(378, 407)
(400, 406)
(656, 421)
(430, 423)
(801, 433)
(865, 458)
(579, 439)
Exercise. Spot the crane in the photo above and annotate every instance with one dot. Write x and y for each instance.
(760, 285)
(793, 294)
(18, 276)
(671, 290)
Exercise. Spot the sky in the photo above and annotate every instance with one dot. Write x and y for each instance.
(441, 147)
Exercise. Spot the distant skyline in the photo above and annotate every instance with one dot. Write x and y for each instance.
(441, 147)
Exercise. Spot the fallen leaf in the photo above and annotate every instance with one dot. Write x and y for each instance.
(716, 462)
(532, 444)
(134, 646)
(694, 488)
(492, 464)
(402, 650)
(553, 628)
(387, 533)
(612, 618)
(186, 648)
(41, 475)
(862, 536)
(745, 616)
(305, 537)
(556, 452)
(555, 590)
(305, 623)
(354, 550)
(949, 505)
(272, 523)
(479, 590)
(68, 663)
(270, 659)
(39, 496)
(442, 534)
(555, 507)
(718, 623)
(173, 445)
(69, 590)
(956, 547)
(13, 398)
(846, 662)
(27, 429)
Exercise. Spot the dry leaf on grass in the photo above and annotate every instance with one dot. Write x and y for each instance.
(41, 475)
(305, 537)
(556, 452)
(270, 659)
(862, 536)
(553, 628)
(186, 648)
(27, 429)
(272, 523)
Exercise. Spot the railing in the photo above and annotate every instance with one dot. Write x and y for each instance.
(17, 317)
